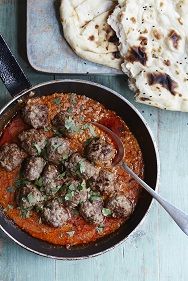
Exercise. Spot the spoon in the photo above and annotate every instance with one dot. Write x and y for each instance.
(180, 218)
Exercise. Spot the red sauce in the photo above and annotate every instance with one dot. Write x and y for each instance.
(83, 232)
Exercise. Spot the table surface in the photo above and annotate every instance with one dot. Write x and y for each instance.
(159, 251)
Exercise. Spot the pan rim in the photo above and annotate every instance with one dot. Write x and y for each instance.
(153, 142)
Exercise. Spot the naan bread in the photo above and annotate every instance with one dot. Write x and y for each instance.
(153, 37)
(87, 32)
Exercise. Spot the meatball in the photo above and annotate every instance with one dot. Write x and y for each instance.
(29, 196)
(99, 151)
(76, 193)
(57, 150)
(32, 141)
(92, 212)
(51, 180)
(65, 124)
(11, 156)
(55, 214)
(36, 115)
(33, 168)
(80, 167)
(105, 182)
(120, 206)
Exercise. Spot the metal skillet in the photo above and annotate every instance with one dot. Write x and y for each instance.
(21, 89)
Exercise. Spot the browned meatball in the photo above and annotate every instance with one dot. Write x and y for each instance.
(36, 115)
(105, 182)
(65, 124)
(11, 156)
(29, 196)
(55, 214)
(33, 168)
(92, 212)
(51, 180)
(80, 167)
(76, 193)
(57, 150)
(120, 206)
(32, 141)
(98, 150)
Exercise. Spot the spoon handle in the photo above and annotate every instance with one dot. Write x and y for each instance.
(178, 216)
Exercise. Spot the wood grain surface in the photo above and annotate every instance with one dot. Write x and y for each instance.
(159, 250)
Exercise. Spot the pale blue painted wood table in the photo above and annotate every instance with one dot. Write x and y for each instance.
(159, 250)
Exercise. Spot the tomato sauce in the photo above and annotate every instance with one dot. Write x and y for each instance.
(77, 230)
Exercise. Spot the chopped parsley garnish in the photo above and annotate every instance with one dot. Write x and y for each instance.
(47, 129)
(100, 228)
(38, 149)
(72, 187)
(55, 189)
(39, 182)
(69, 109)
(10, 189)
(70, 233)
(57, 101)
(90, 128)
(31, 198)
(21, 182)
(82, 185)
(106, 212)
(70, 125)
(73, 99)
(24, 213)
(80, 167)
(69, 196)
(61, 176)
(94, 196)
(88, 141)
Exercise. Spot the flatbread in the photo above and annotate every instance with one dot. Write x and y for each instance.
(87, 32)
(153, 37)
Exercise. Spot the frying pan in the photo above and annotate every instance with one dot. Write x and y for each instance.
(20, 88)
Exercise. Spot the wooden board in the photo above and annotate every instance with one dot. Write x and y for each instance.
(159, 250)
(47, 49)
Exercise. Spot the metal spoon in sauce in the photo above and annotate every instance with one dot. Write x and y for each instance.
(180, 218)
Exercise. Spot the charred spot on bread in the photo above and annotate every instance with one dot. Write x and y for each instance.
(164, 80)
(175, 38)
(137, 54)
(117, 55)
(167, 62)
(92, 37)
(143, 40)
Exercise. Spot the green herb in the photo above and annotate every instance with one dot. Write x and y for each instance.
(106, 212)
(72, 187)
(69, 196)
(57, 101)
(82, 118)
(73, 99)
(80, 167)
(94, 196)
(39, 208)
(65, 157)
(55, 189)
(100, 228)
(56, 133)
(61, 176)
(39, 182)
(88, 141)
(82, 185)
(47, 129)
(31, 199)
(21, 182)
(70, 125)
(69, 109)
(10, 189)
(38, 149)
(90, 128)
(24, 213)
(70, 233)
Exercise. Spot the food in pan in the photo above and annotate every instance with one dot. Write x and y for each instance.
(86, 30)
(57, 181)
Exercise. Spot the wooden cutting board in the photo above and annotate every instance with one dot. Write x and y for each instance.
(47, 49)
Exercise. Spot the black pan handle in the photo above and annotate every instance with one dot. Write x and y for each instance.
(10, 72)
